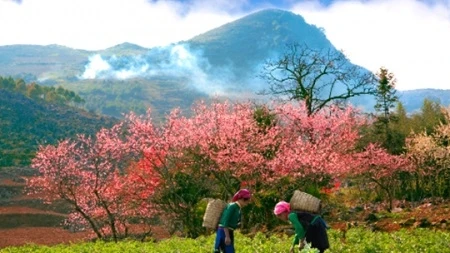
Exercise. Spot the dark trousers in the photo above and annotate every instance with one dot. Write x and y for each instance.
(317, 236)
(219, 245)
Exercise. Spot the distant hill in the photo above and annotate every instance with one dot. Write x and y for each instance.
(53, 63)
(41, 63)
(124, 49)
(26, 123)
(223, 62)
(413, 99)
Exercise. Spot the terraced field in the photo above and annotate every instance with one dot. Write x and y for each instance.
(26, 219)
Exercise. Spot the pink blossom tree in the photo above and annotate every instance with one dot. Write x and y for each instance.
(89, 174)
(319, 144)
(381, 168)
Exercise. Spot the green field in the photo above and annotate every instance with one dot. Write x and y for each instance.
(354, 240)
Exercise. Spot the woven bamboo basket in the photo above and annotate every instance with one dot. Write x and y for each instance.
(302, 201)
(213, 211)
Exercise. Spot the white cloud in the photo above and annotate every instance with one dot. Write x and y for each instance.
(409, 37)
(98, 24)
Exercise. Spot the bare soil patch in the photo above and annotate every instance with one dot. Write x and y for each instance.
(25, 210)
(10, 182)
(39, 235)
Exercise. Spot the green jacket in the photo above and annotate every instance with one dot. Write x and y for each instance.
(231, 216)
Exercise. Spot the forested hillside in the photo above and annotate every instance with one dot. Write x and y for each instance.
(25, 123)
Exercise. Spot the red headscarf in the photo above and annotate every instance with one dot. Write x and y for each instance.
(282, 207)
(242, 194)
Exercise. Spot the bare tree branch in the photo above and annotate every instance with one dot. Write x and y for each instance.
(318, 78)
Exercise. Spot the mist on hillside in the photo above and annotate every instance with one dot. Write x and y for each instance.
(178, 62)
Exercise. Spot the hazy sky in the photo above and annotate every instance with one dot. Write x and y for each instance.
(409, 37)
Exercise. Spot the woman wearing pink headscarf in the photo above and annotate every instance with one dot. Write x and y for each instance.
(229, 221)
(308, 227)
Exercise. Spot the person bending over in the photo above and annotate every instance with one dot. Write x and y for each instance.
(308, 227)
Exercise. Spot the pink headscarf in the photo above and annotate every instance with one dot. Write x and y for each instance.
(282, 207)
(241, 194)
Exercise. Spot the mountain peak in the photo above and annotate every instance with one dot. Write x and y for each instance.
(126, 45)
(253, 39)
(283, 25)
(125, 48)
(276, 13)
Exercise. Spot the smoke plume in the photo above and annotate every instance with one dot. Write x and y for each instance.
(177, 62)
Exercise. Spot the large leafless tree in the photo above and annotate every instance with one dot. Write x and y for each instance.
(317, 77)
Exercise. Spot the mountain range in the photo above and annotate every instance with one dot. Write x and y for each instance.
(225, 62)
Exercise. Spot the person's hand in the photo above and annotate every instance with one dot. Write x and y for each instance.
(227, 240)
(301, 245)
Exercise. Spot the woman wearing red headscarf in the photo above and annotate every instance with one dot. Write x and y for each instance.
(229, 221)
(308, 227)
